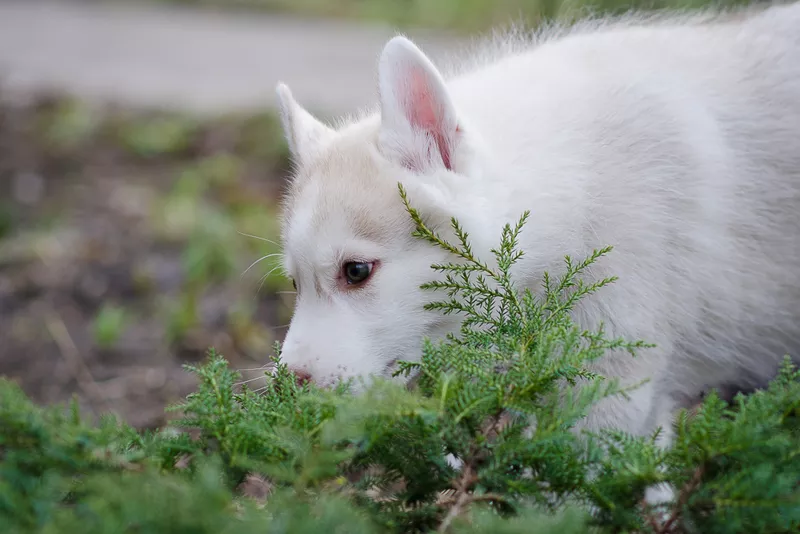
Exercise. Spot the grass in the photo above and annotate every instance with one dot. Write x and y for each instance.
(109, 325)
(463, 16)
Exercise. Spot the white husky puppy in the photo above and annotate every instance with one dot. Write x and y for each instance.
(676, 140)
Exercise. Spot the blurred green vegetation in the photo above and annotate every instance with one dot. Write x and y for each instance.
(142, 227)
(455, 15)
(208, 205)
(109, 325)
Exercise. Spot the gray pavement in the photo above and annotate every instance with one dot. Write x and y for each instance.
(195, 60)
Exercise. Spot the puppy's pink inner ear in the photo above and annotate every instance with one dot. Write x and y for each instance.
(425, 113)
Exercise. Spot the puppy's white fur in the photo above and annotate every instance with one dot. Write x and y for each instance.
(674, 139)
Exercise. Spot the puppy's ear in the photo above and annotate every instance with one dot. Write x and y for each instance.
(419, 125)
(306, 135)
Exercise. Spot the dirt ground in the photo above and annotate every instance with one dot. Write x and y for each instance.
(122, 251)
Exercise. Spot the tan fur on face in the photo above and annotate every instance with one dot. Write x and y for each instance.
(346, 185)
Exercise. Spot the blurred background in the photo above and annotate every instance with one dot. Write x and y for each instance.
(141, 165)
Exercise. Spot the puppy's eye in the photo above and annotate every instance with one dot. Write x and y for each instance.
(357, 272)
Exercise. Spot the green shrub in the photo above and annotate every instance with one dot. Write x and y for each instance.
(331, 461)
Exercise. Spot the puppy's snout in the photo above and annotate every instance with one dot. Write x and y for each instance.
(301, 376)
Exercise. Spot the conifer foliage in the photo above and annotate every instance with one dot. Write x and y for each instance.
(482, 443)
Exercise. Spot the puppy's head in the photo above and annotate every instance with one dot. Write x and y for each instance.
(346, 235)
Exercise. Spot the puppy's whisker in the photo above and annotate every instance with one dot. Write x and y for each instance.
(262, 258)
(243, 382)
(264, 278)
(262, 368)
(271, 242)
